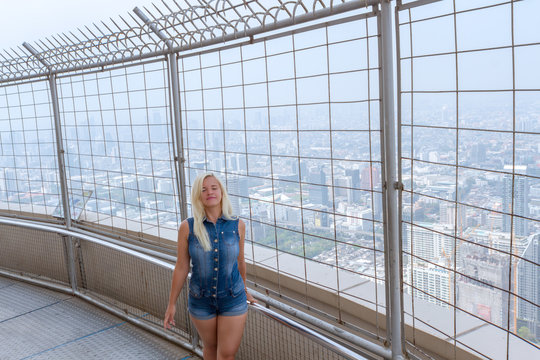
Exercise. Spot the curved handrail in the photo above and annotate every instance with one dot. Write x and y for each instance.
(318, 338)
(138, 252)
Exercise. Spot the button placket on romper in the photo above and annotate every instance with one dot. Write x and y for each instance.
(215, 247)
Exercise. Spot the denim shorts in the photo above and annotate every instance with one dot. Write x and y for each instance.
(208, 307)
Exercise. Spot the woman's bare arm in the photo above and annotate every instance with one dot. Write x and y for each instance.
(181, 270)
(241, 260)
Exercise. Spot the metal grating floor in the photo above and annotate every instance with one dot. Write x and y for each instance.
(37, 323)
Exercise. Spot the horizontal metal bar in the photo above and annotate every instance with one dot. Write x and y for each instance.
(318, 312)
(297, 20)
(323, 340)
(37, 281)
(356, 340)
(102, 69)
(414, 4)
(91, 66)
(265, 37)
(93, 239)
(365, 344)
(109, 237)
(126, 242)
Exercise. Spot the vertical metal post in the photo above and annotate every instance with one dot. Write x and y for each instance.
(392, 185)
(172, 66)
(58, 133)
(60, 150)
(68, 240)
(70, 261)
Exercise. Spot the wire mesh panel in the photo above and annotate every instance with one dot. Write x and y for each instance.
(291, 124)
(28, 164)
(137, 286)
(268, 339)
(470, 206)
(119, 155)
(33, 252)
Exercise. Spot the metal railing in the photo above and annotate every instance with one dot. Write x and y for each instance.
(91, 84)
(191, 344)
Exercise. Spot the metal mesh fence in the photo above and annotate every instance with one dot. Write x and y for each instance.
(284, 343)
(28, 164)
(122, 281)
(470, 214)
(291, 124)
(290, 120)
(33, 252)
(117, 136)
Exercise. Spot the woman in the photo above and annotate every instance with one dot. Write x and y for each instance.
(214, 241)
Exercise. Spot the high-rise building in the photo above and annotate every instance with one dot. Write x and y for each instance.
(520, 205)
(447, 212)
(10, 181)
(355, 177)
(370, 178)
(478, 153)
(433, 283)
(354, 174)
(478, 290)
(429, 244)
(343, 188)
(528, 287)
(233, 188)
(318, 194)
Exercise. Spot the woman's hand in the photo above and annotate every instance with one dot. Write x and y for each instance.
(169, 317)
(250, 298)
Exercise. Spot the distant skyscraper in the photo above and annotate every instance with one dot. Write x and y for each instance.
(528, 285)
(521, 201)
(165, 186)
(303, 170)
(318, 194)
(355, 182)
(478, 153)
(429, 243)
(370, 177)
(434, 281)
(342, 189)
(447, 213)
(146, 184)
(10, 182)
(479, 298)
(130, 190)
(233, 188)
(355, 177)
(237, 162)
(444, 115)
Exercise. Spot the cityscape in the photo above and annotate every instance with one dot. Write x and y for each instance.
(328, 209)
(298, 144)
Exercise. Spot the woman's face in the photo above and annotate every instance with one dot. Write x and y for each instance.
(211, 192)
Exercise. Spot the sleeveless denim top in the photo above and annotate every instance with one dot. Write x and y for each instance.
(215, 273)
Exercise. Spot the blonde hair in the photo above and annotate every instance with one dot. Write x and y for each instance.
(197, 208)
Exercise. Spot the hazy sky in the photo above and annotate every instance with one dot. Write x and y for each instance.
(30, 20)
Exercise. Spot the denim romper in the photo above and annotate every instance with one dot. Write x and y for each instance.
(216, 287)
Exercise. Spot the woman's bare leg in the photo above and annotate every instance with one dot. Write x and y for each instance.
(207, 330)
(229, 335)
